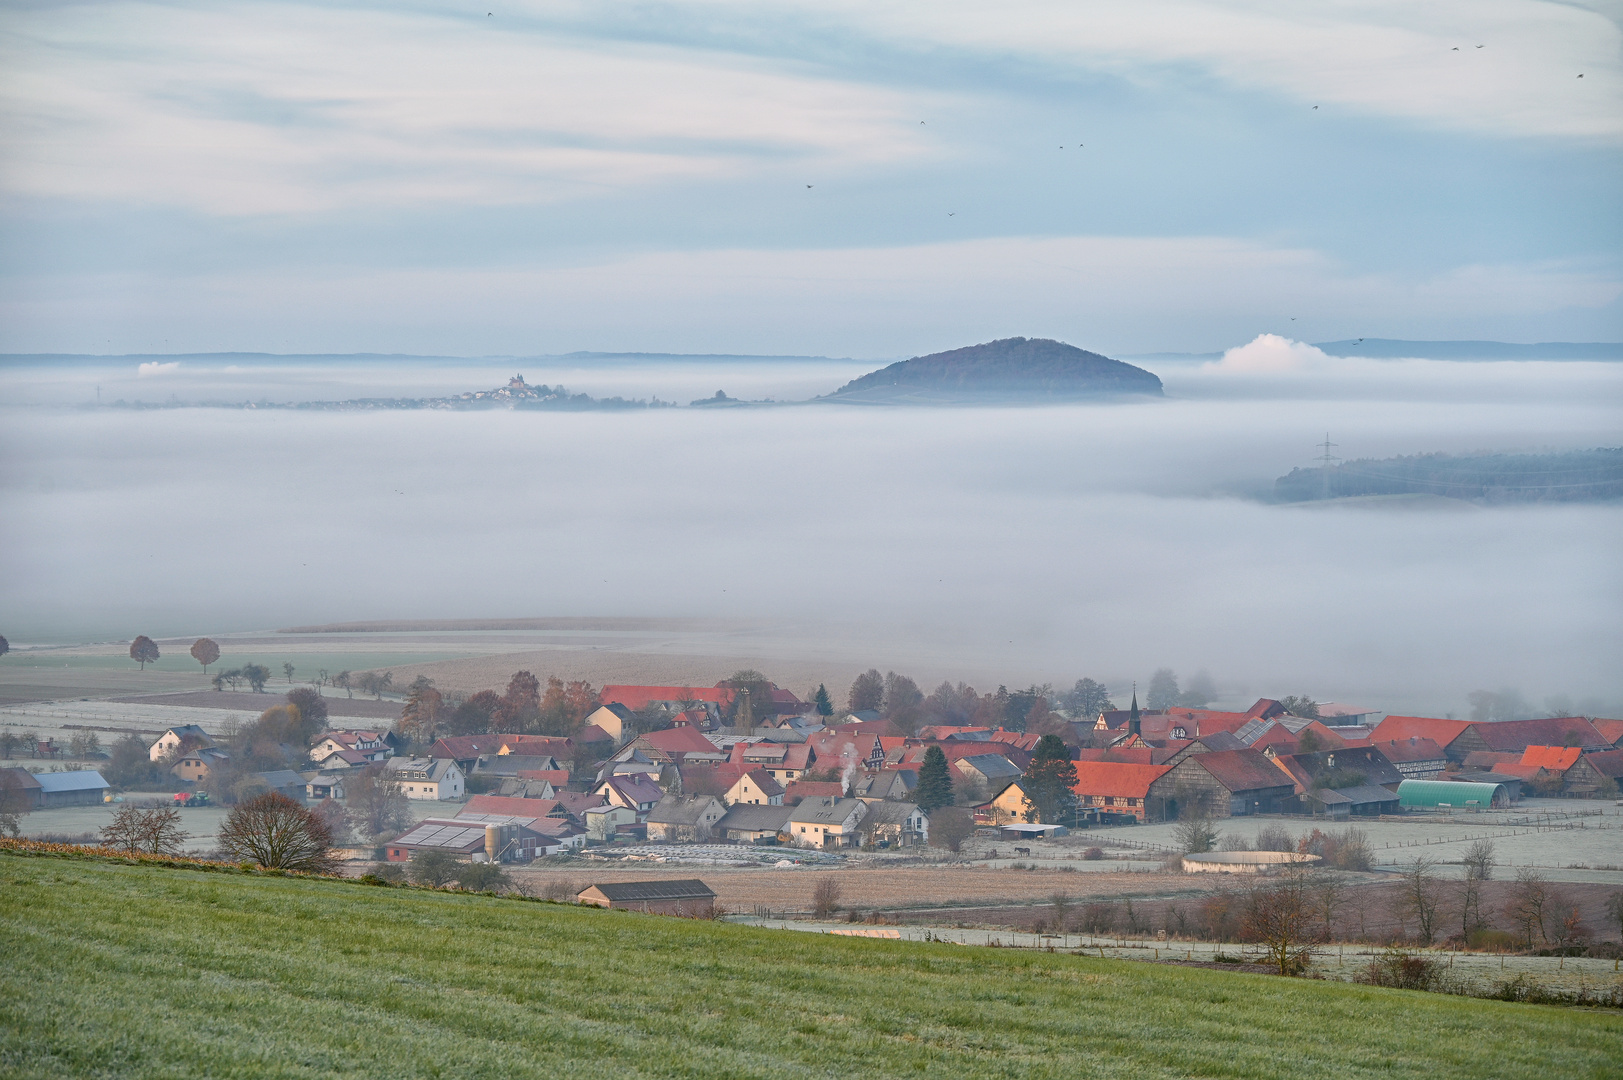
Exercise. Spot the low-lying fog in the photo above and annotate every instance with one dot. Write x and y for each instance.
(1045, 542)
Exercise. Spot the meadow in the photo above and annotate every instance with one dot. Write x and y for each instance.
(119, 970)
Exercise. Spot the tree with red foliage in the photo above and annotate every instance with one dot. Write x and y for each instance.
(205, 651)
(144, 651)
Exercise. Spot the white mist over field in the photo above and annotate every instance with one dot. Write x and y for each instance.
(1045, 542)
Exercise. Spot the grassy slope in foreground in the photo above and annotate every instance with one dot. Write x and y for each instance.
(115, 970)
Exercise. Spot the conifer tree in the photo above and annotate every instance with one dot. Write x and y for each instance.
(825, 707)
(935, 782)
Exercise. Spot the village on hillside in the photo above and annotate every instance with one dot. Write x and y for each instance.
(745, 762)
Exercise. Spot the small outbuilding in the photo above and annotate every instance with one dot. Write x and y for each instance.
(1451, 795)
(681, 896)
(83, 787)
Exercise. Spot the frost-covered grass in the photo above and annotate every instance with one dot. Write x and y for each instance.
(116, 970)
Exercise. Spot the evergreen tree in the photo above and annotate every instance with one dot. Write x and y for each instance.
(825, 707)
(1048, 780)
(935, 782)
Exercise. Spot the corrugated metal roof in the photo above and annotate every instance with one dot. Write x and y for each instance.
(82, 780)
(1446, 792)
(676, 889)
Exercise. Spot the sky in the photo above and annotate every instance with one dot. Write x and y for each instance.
(863, 180)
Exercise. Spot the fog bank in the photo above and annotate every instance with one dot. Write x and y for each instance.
(1080, 539)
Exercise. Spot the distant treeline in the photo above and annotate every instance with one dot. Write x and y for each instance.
(1577, 476)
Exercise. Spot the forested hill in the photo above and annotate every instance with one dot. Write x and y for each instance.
(1575, 476)
(1000, 370)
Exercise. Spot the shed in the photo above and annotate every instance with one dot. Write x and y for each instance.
(1450, 794)
(82, 787)
(1033, 831)
(672, 896)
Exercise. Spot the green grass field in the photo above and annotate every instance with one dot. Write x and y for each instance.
(114, 970)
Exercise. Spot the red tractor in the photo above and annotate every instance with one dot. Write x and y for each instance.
(196, 798)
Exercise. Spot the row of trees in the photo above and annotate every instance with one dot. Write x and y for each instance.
(897, 698)
(523, 709)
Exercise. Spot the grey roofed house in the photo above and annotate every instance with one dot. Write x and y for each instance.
(887, 784)
(989, 767)
(286, 781)
(681, 809)
(826, 811)
(749, 822)
(79, 788)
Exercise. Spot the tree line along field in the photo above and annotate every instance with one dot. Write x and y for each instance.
(120, 970)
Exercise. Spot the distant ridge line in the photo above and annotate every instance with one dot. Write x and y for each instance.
(557, 622)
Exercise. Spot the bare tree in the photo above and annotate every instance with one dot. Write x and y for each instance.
(148, 830)
(826, 897)
(343, 679)
(1420, 897)
(337, 820)
(376, 802)
(1479, 863)
(277, 833)
(950, 826)
(1280, 917)
(1614, 908)
(1327, 900)
(1062, 910)
(1529, 905)
(14, 803)
(205, 651)
(144, 651)
(287, 669)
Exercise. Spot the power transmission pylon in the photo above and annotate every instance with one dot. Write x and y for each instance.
(1325, 459)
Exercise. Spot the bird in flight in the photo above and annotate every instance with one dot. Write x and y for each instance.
(1456, 48)
(1479, 46)
(1360, 341)
(1315, 106)
(1580, 76)
(952, 213)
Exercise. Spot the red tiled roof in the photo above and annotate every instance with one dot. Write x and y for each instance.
(812, 789)
(1554, 758)
(637, 698)
(592, 733)
(1610, 730)
(463, 747)
(1608, 762)
(1265, 709)
(1545, 731)
(1410, 749)
(1205, 720)
(680, 740)
(1023, 740)
(506, 804)
(1116, 778)
(538, 746)
(1240, 770)
(1435, 728)
(1126, 755)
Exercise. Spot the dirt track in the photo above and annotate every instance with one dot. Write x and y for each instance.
(741, 889)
